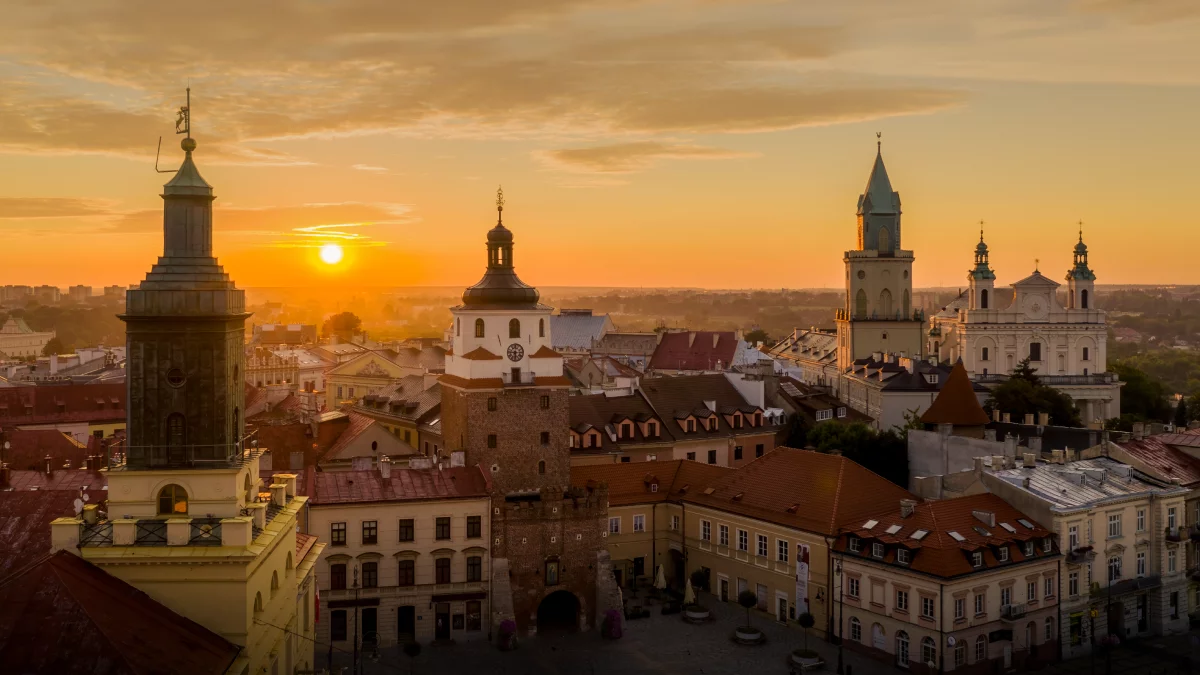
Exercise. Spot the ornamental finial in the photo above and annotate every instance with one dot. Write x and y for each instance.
(499, 203)
(183, 123)
(1081, 231)
(981, 231)
(879, 141)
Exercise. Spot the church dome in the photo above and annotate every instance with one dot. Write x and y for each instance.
(500, 287)
(1081, 247)
(499, 235)
(981, 247)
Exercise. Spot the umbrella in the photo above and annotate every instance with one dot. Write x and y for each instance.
(689, 594)
(660, 578)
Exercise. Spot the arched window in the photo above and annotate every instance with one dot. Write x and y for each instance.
(258, 605)
(928, 651)
(274, 583)
(1083, 299)
(981, 649)
(541, 328)
(288, 565)
(478, 328)
(855, 629)
(885, 240)
(1030, 634)
(1086, 353)
(176, 437)
(514, 328)
(542, 466)
(985, 354)
(960, 654)
(860, 304)
(902, 649)
(983, 299)
(885, 303)
(172, 500)
(907, 305)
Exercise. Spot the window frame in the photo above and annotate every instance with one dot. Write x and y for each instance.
(370, 532)
(439, 523)
(337, 534)
(406, 526)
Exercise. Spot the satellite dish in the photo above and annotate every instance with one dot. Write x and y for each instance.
(78, 506)
(950, 640)
(85, 498)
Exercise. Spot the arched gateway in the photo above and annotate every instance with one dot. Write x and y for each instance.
(558, 612)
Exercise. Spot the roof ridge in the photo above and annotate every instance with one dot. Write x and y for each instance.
(837, 495)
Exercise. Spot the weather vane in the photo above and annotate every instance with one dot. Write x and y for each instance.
(1036, 264)
(879, 140)
(183, 125)
(499, 203)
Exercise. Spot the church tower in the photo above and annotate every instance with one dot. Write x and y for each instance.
(878, 314)
(1081, 280)
(982, 279)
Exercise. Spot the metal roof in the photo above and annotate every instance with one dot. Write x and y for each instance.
(1084, 483)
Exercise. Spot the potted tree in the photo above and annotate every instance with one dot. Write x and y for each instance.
(748, 634)
(693, 611)
(806, 658)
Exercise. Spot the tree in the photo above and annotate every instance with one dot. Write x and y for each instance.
(885, 453)
(1181, 413)
(54, 346)
(1024, 394)
(758, 335)
(1024, 371)
(806, 621)
(747, 599)
(344, 325)
(1143, 397)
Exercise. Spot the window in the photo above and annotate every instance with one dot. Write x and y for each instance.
(1141, 520)
(552, 572)
(691, 456)
(1114, 568)
(928, 650)
(639, 523)
(474, 568)
(960, 654)
(762, 545)
(902, 556)
(337, 625)
(877, 549)
(1171, 517)
(442, 570)
(758, 450)
(408, 573)
(1047, 545)
(712, 456)
(614, 525)
(1114, 525)
(1031, 591)
(1002, 554)
(855, 544)
(474, 615)
(370, 575)
(1073, 535)
(927, 608)
(1175, 605)
(855, 629)
(783, 551)
(337, 534)
(541, 466)
(337, 576)
(652, 429)
(980, 607)
(172, 500)
(977, 559)
(544, 402)
(852, 587)
(984, 356)
(493, 404)
(1049, 590)
(1140, 564)
(705, 530)
(722, 535)
(406, 529)
(981, 648)
(491, 440)
(1049, 634)
(823, 415)
(514, 328)
(1171, 560)
(541, 328)
(902, 601)
(441, 528)
(1086, 354)
(1006, 596)
(902, 649)
(474, 527)
(370, 532)
(1035, 351)
(960, 608)
(478, 328)
(737, 452)
(1029, 549)
(675, 523)
(743, 540)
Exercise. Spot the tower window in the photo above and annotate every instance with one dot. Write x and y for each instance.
(1083, 299)
(492, 403)
(491, 440)
(478, 328)
(545, 438)
(860, 304)
(542, 467)
(172, 500)
(541, 328)
(514, 328)
(175, 430)
(1086, 353)
(984, 356)
(175, 377)
(1035, 351)
(458, 326)
(983, 299)
(545, 402)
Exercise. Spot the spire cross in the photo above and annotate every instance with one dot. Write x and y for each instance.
(879, 140)
(499, 203)
(1081, 230)
(981, 231)
(1036, 263)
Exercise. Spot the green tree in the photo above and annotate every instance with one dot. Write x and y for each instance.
(758, 335)
(1181, 413)
(885, 453)
(747, 599)
(1024, 394)
(54, 346)
(806, 621)
(344, 325)
(1144, 397)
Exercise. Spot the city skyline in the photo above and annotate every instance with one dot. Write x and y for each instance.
(677, 151)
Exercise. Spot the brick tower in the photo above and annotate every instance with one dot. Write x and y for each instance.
(504, 404)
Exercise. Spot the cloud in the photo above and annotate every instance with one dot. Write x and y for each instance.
(368, 167)
(1145, 11)
(26, 208)
(630, 157)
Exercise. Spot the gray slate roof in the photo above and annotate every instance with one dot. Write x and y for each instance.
(576, 331)
(1084, 483)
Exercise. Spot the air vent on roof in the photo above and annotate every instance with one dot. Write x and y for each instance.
(919, 534)
(869, 524)
(1025, 523)
(986, 517)
(709, 491)
(956, 536)
(893, 529)
(1008, 527)
(684, 489)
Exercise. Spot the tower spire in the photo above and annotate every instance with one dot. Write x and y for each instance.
(500, 205)
(879, 142)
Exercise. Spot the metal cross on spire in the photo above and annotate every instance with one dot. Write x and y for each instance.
(879, 141)
(981, 231)
(1081, 231)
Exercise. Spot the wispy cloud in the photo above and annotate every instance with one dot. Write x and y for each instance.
(630, 157)
(368, 167)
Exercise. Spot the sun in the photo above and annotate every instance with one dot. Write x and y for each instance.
(331, 254)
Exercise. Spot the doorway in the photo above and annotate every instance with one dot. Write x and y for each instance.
(370, 625)
(558, 612)
(406, 625)
(441, 624)
(1116, 620)
(1143, 616)
(781, 611)
(724, 585)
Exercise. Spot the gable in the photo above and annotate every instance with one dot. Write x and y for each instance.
(371, 365)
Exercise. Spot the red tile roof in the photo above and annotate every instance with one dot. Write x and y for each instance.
(694, 350)
(480, 354)
(25, 517)
(304, 542)
(937, 552)
(358, 424)
(1167, 461)
(343, 487)
(69, 479)
(956, 403)
(630, 482)
(284, 439)
(64, 615)
(62, 403)
(545, 353)
(30, 447)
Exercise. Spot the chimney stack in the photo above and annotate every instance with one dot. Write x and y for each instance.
(1006, 418)
(996, 415)
(385, 467)
(1029, 419)
(1043, 419)
(906, 507)
(1056, 456)
(1030, 460)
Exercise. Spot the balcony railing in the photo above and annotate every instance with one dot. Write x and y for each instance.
(97, 534)
(205, 532)
(1052, 380)
(1175, 534)
(124, 457)
(1194, 532)
(151, 533)
(1081, 554)
(1012, 612)
(518, 379)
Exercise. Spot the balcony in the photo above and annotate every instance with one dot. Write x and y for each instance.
(122, 457)
(518, 378)
(1081, 554)
(1175, 534)
(844, 315)
(1012, 612)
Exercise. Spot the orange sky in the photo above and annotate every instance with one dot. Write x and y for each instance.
(712, 143)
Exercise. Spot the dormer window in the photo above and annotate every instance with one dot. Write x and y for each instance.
(1002, 554)
(1047, 544)
(931, 378)
(691, 425)
(841, 412)
(758, 419)
(903, 556)
(1029, 549)
(855, 544)
(977, 559)
(626, 430)
(823, 415)
(877, 550)
(652, 429)
(712, 423)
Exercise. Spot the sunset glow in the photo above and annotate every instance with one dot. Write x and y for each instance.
(331, 254)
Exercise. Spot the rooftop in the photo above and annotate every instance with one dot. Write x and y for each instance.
(1083, 483)
(956, 403)
(357, 487)
(695, 350)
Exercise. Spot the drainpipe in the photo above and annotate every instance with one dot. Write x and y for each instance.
(941, 628)
(1058, 610)
(654, 542)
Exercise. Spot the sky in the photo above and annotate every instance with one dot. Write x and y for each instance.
(652, 143)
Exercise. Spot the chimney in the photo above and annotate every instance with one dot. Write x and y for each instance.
(997, 462)
(1139, 430)
(1029, 419)
(1030, 460)
(978, 465)
(385, 467)
(1035, 444)
(989, 435)
(1043, 419)
(48, 466)
(906, 507)
(1006, 418)
(1056, 456)
(996, 416)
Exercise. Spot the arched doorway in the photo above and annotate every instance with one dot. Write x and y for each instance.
(558, 612)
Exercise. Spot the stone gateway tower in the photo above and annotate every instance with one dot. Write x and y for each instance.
(185, 326)
(504, 406)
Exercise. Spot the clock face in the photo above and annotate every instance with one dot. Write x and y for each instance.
(515, 352)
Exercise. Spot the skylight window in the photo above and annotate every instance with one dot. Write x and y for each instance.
(893, 529)
(956, 536)
(1008, 527)
(869, 524)
(1025, 523)
(919, 534)
(982, 531)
